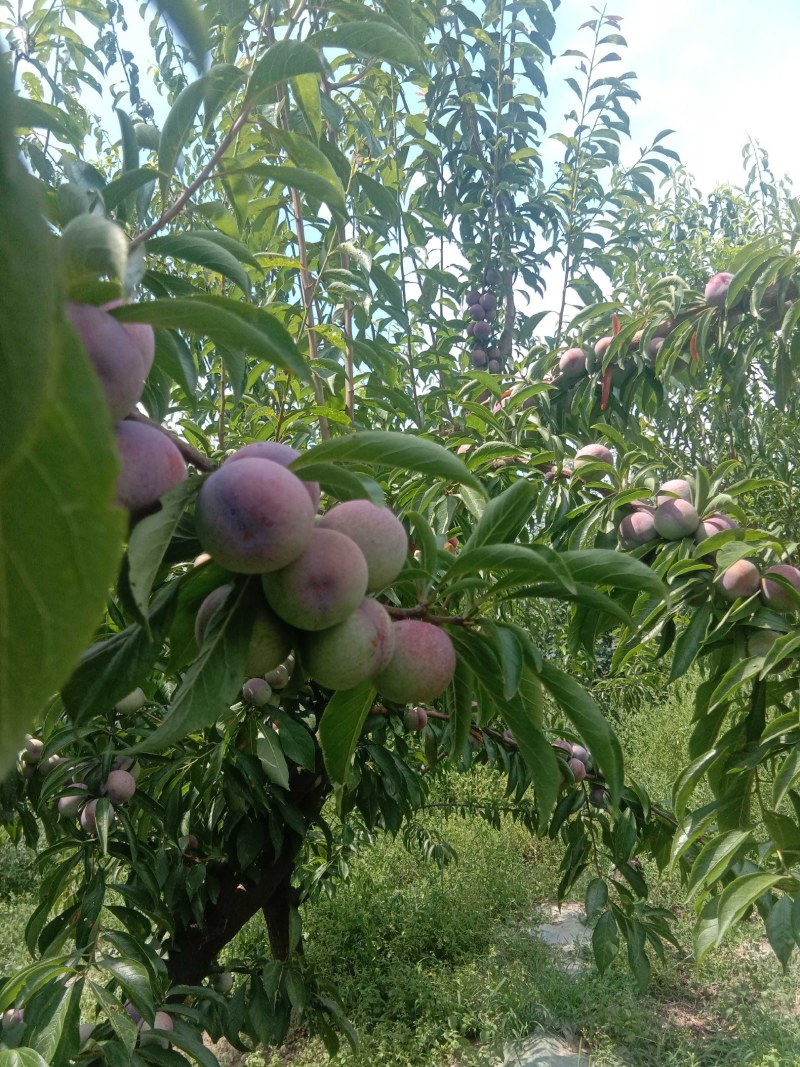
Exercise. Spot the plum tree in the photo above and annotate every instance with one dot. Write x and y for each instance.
(150, 464)
(323, 585)
(277, 453)
(119, 787)
(254, 517)
(422, 665)
(115, 354)
(257, 691)
(378, 533)
(717, 287)
(344, 655)
(741, 579)
(676, 488)
(675, 519)
(777, 596)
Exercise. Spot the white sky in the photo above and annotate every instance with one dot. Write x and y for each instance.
(715, 71)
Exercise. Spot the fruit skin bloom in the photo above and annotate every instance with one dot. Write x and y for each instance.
(422, 666)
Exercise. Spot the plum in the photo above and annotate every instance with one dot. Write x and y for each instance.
(422, 665)
(741, 579)
(345, 655)
(116, 355)
(254, 517)
(323, 585)
(119, 787)
(222, 982)
(277, 453)
(415, 719)
(602, 346)
(717, 287)
(71, 803)
(257, 691)
(279, 677)
(378, 533)
(141, 335)
(131, 703)
(33, 750)
(714, 524)
(150, 464)
(577, 767)
(591, 454)
(572, 363)
(472, 297)
(774, 594)
(147, 1035)
(638, 528)
(481, 330)
(675, 519)
(89, 816)
(677, 488)
(477, 312)
(488, 301)
(494, 366)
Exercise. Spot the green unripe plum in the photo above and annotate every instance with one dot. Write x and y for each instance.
(760, 642)
(774, 594)
(675, 519)
(254, 517)
(415, 719)
(572, 363)
(89, 817)
(257, 692)
(591, 454)
(378, 533)
(150, 464)
(741, 579)
(345, 655)
(119, 787)
(279, 677)
(714, 524)
(147, 1036)
(422, 665)
(323, 585)
(676, 489)
(222, 983)
(277, 453)
(638, 528)
(71, 803)
(115, 354)
(133, 702)
(271, 641)
(577, 767)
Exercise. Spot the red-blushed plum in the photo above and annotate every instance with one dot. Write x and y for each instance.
(477, 312)
(323, 585)
(714, 524)
(150, 464)
(488, 300)
(73, 800)
(675, 519)
(717, 289)
(277, 453)
(115, 354)
(254, 517)
(119, 787)
(162, 1021)
(472, 297)
(257, 691)
(774, 594)
(572, 362)
(577, 767)
(422, 666)
(481, 330)
(565, 746)
(591, 454)
(741, 579)
(602, 346)
(415, 719)
(378, 533)
(141, 334)
(675, 489)
(349, 653)
(638, 528)
(89, 816)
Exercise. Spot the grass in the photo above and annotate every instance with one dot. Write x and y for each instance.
(442, 967)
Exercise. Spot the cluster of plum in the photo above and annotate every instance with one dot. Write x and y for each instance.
(482, 310)
(580, 764)
(118, 787)
(122, 355)
(575, 362)
(254, 516)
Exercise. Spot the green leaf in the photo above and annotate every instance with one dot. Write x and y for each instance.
(282, 60)
(307, 181)
(706, 929)
(226, 322)
(463, 690)
(605, 942)
(296, 740)
(341, 726)
(192, 248)
(716, 857)
(52, 1018)
(786, 776)
(689, 643)
(596, 899)
(780, 929)
(22, 1057)
(599, 566)
(390, 450)
(36, 114)
(151, 538)
(212, 682)
(60, 543)
(306, 89)
(190, 25)
(582, 711)
(25, 981)
(116, 191)
(524, 563)
(740, 895)
(134, 980)
(687, 781)
(268, 749)
(372, 39)
(537, 752)
(504, 516)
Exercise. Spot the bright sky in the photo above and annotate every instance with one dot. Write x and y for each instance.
(715, 71)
